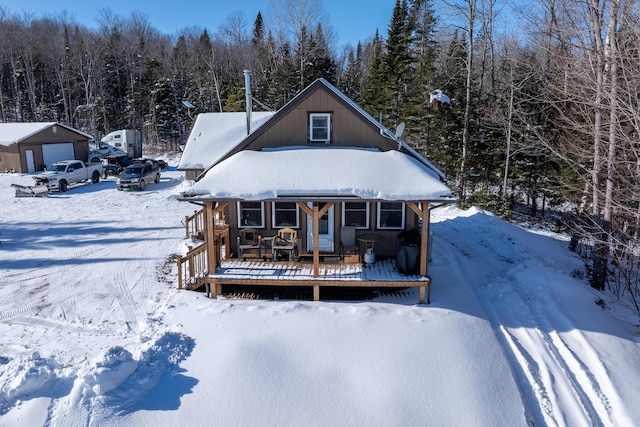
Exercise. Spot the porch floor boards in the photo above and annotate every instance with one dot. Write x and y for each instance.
(383, 273)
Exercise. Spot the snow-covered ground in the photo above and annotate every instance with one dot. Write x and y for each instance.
(95, 333)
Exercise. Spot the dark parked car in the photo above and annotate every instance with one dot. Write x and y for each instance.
(157, 162)
(115, 164)
(137, 176)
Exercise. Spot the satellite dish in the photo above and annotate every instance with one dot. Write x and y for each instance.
(400, 130)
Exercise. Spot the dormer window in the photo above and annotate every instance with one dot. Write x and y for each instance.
(320, 127)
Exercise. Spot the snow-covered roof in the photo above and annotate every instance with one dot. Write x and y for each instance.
(12, 133)
(320, 172)
(215, 134)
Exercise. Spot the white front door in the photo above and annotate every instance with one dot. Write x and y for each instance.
(31, 164)
(325, 230)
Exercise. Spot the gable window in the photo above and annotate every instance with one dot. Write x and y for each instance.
(320, 127)
(251, 214)
(355, 214)
(391, 215)
(285, 214)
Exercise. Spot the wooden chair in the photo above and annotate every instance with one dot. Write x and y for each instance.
(285, 241)
(348, 242)
(248, 240)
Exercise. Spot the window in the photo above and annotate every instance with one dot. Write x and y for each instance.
(320, 127)
(285, 214)
(251, 214)
(391, 215)
(356, 214)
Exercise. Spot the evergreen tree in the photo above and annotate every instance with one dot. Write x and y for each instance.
(260, 57)
(320, 62)
(421, 113)
(375, 96)
(398, 61)
(283, 83)
(351, 78)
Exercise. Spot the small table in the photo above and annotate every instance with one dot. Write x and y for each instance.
(267, 244)
(369, 241)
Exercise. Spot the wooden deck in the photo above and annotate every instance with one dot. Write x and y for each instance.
(382, 273)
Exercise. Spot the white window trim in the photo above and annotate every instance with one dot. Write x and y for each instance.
(311, 117)
(251, 226)
(400, 227)
(366, 227)
(273, 217)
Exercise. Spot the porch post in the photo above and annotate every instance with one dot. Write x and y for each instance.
(424, 253)
(212, 261)
(316, 243)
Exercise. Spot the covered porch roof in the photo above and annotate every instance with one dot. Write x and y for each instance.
(320, 173)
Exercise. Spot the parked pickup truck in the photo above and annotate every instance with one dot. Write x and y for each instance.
(137, 176)
(67, 172)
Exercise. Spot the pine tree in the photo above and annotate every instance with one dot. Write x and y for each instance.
(421, 113)
(352, 76)
(283, 84)
(375, 96)
(398, 60)
(320, 63)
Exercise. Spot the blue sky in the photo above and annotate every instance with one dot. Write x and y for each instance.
(353, 20)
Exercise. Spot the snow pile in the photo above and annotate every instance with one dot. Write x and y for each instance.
(25, 377)
(110, 371)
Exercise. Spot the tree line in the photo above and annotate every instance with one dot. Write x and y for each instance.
(543, 118)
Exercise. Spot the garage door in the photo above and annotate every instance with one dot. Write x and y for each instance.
(52, 153)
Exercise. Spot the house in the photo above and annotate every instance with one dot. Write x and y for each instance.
(322, 167)
(214, 135)
(30, 147)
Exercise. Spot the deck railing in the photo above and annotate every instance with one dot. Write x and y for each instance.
(196, 225)
(193, 268)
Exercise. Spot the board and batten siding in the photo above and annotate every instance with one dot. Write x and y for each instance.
(348, 129)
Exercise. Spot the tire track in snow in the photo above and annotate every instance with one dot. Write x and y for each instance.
(122, 294)
(590, 378)
(563, 385)
(36, 298)
(531, 390)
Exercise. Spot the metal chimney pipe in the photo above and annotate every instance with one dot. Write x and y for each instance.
(247, 92)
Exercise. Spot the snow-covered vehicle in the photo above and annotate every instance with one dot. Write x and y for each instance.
(123, 141)
(115, 164)
(67, 172)
(102, 151)
(137, 176)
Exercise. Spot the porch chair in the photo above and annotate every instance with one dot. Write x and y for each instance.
(285, 241)
(248, 240)
(348, 242)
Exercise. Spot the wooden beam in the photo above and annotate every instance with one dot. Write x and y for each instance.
(212, 253)
(424, 252)
(316, 237)
(325, 208)
(219, 209)
(316, 282)
(415, 208)
(305, 208)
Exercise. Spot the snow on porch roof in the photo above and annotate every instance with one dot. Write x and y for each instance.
(298, 172)
(215, 134)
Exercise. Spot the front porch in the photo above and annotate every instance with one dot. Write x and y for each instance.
(334, 273)
(214, 262)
